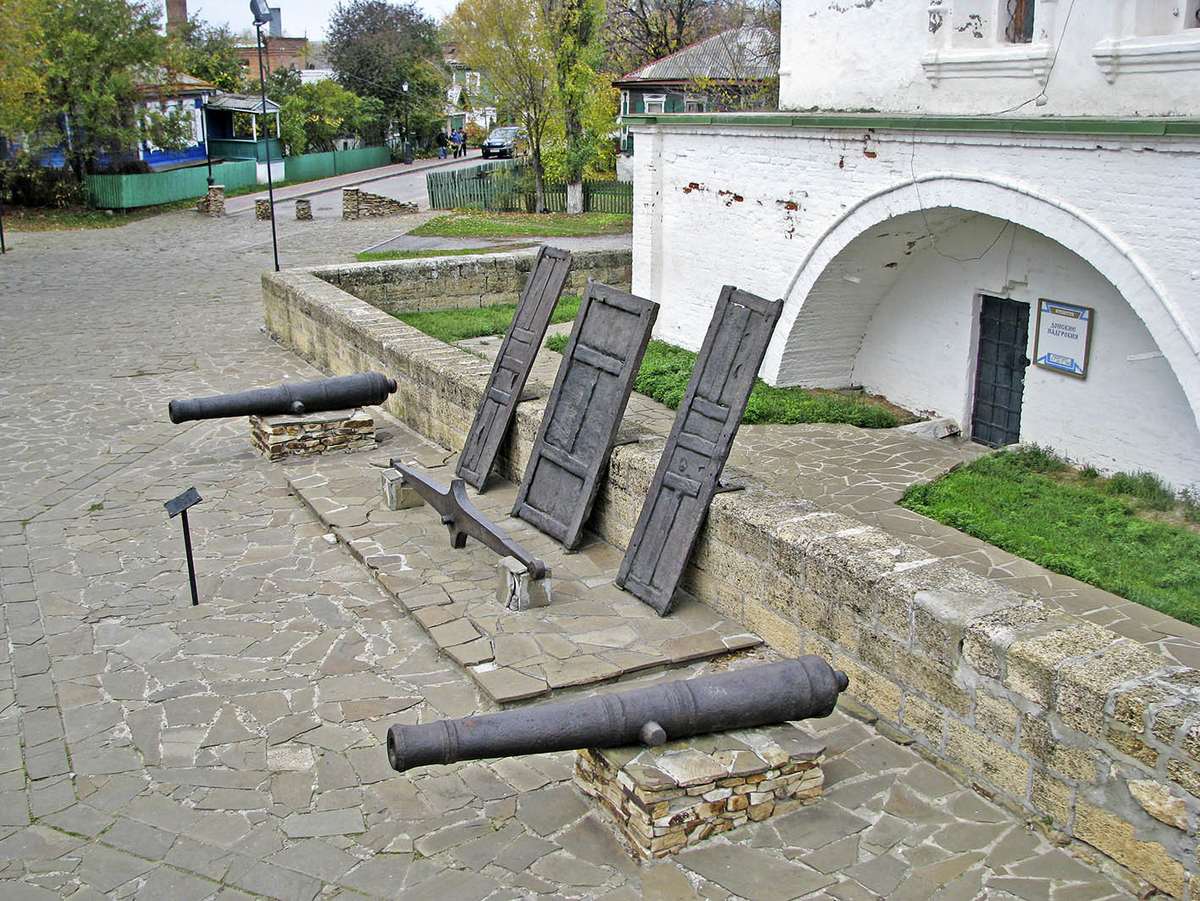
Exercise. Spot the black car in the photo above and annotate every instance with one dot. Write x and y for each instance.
(508, 140)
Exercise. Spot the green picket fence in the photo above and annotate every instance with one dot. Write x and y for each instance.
(502, 187)
(486, 186)
(123, 192)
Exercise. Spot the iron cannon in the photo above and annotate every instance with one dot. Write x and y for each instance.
(340, 393)
(803, 688)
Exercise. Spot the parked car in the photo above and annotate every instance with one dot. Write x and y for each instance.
(508, 140)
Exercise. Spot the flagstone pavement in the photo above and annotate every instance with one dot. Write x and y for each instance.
(150, 749)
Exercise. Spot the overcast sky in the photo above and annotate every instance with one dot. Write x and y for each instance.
(301, 18)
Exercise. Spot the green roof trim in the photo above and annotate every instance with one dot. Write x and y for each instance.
(886, 122)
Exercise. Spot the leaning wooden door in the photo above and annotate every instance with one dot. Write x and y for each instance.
(594, 382)
(511, 369)
(698, 446)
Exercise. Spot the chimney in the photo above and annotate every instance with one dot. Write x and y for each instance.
(275, 29)
(176, 15)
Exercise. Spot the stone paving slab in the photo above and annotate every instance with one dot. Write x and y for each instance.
(592, 631)
(187, 752)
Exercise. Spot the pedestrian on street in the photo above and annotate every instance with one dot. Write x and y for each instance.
(442, 142)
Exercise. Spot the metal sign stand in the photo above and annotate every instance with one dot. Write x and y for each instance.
(179, 505)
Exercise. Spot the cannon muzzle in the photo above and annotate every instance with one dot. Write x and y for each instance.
(340, 393)
(803, 688)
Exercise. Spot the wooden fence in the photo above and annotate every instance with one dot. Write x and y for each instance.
(505, 186)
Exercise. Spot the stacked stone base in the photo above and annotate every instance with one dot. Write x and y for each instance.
(359, 204)
(213, 203)
(277, 437)
(665, 799)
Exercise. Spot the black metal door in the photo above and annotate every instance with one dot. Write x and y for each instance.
(1000, 374)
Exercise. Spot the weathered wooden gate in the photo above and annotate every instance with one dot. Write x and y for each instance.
(595, 379)
(511, 369)
(698, 446)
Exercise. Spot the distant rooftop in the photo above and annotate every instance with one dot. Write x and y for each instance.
(739, 54)
(241, 103)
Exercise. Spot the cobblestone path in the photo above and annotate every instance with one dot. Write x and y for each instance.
(154, 750)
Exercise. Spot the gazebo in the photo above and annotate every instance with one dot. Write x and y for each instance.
(219, 112)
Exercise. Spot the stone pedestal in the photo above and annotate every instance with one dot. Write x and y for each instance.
(262, 209)
(397, 493)
(667, 798)
(516, 590)
(303, 208)
(312, 433)
(213, 203)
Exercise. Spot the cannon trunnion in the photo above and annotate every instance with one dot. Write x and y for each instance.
(338, 393)
(803, 688)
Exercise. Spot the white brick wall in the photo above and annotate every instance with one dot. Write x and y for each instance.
(1087, 57)
(815, 216)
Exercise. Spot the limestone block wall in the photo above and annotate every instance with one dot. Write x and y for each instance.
(1088, 732)
(467, 281)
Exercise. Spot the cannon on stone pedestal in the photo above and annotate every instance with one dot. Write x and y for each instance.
(803, 688)
(339, 393)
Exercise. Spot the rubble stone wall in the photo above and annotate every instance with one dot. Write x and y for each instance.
(1090, 733)
(359, 204)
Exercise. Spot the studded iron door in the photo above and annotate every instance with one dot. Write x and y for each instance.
(1000, 374)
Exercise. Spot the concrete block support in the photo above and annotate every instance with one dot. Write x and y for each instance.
(516, 589)
(397, 493)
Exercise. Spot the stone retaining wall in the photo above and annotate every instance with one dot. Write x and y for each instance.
(466, 282)
(1089, 733)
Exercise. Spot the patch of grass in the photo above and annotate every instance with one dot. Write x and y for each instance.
(666, 370)
(370, 257)
(1025, 502)
(480, 224)
(39, 219)
(459, 325)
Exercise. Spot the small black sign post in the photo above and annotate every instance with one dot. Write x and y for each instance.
(177, 505)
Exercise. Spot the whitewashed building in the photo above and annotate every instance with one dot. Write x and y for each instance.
(988, 210)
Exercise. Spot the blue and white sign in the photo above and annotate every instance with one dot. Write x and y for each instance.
(1063, 337)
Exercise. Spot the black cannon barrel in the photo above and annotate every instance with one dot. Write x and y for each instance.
(803, 688)
(339, 393)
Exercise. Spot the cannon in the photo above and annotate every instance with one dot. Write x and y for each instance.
(802, 688)
(340, 393)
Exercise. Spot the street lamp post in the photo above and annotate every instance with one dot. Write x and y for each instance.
(262, 15)
(407, 152)
(207, 144)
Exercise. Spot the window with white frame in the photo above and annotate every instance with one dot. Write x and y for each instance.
(695, 104)
(655, 103)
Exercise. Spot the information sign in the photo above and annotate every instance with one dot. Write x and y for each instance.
(1063, 337)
